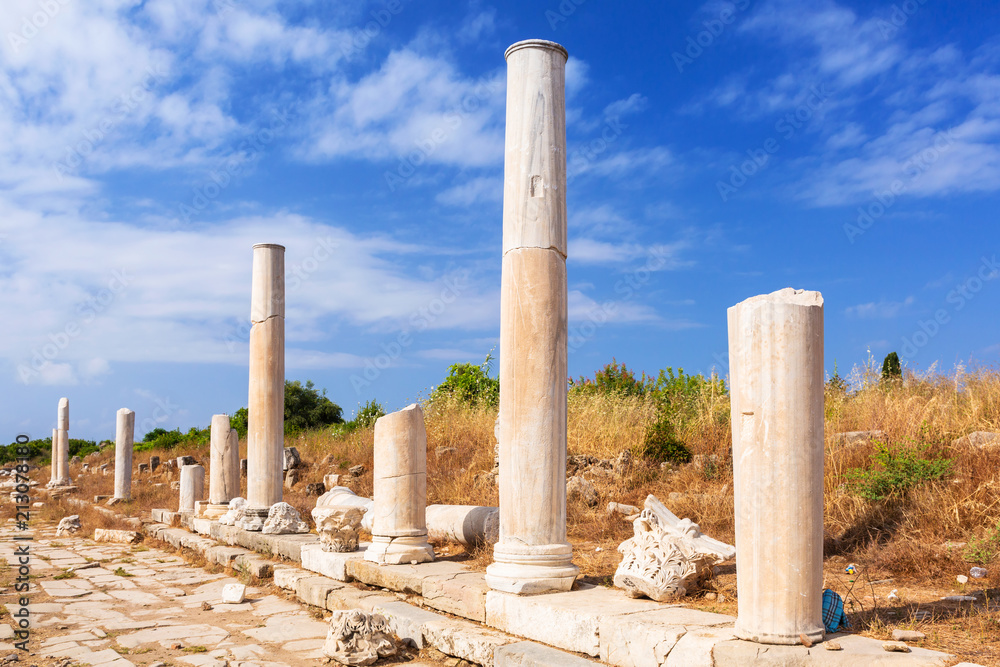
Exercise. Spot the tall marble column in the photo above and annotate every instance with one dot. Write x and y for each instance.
(54, 465)
(399, 520)
(62, 453)
(776, 382)
(192, 488)
(266, 407)
(224, 471)
(533, 555)
(124, 438)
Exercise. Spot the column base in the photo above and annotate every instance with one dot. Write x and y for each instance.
(527, 570)
(214, 511)
(253, 519)
(399, 550)
(815, 636)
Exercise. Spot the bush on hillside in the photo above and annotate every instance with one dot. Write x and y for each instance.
(470, 384)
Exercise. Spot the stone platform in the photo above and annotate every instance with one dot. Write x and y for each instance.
(572, 628)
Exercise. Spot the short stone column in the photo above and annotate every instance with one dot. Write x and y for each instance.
(266, 407)
(533, 555)
(192, 488)
(776, 382)
(399, 524)
(124, 438)
(224, 470)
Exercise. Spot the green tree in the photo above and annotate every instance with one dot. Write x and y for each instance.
(307, 408)
(470, 384)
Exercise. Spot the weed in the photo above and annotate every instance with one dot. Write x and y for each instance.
(895, 469)
(122, 573)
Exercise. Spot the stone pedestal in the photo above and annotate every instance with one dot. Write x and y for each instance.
(192, 488)
(399, 524)
(124, 437)
(776, 380)
(266, 407)
(533, 555)
(224, 469)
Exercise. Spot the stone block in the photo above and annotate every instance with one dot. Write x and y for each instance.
(460, 594)
(224, 556)
(286, 576)
(117, 536)
(330, 563)
(351, 597)
(406, 621)
(255, 565)
(234, 593)
(530, 654)
(464, 640)
(568, 620)
(645, 639)
(400, 578)
(200, 525)
(314, 590)
(856, 650)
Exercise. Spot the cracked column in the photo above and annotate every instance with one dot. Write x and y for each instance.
(192, 488)
(266, 407)
(533, 555)
(224, 470)
(53, 465)
(399, 521)
(60, 447)
(124, 438)
(776, 389)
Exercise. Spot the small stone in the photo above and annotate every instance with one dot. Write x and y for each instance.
(186, 461)
(291, 478)
(895, 647)
(907, 635)
(68, 525)
(206, 607)
(805, 641)
(978, 572)
(833, 646)
(330, 481)
(623, 509)
(315, 489)
(958, 598)
(962, 579)
(143, 468)
(234, 593)
(579, 489)
(356, 471)
(176, 645)
(711, 596)
(893, 596)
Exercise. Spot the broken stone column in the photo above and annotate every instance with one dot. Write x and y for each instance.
(266, 407)
(533, 554)
(124, 438)
(60, 446)
(776, 380)
(399, 523)
(224, 469)
(192, 488)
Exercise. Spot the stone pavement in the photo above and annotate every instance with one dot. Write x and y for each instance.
(128, 605)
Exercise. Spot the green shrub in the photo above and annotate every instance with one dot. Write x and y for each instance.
(662, 444)
(895, 469)
(470, 384)
(614, 378)
(891, 369)
(369, 413)
(982, 550)
(306, 408)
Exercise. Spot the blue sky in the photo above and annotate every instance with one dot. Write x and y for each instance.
(716, 151)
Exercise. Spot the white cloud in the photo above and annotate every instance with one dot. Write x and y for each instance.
(481, 189)
(880, 309)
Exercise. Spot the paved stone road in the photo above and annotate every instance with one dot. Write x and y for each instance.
(134, 605)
